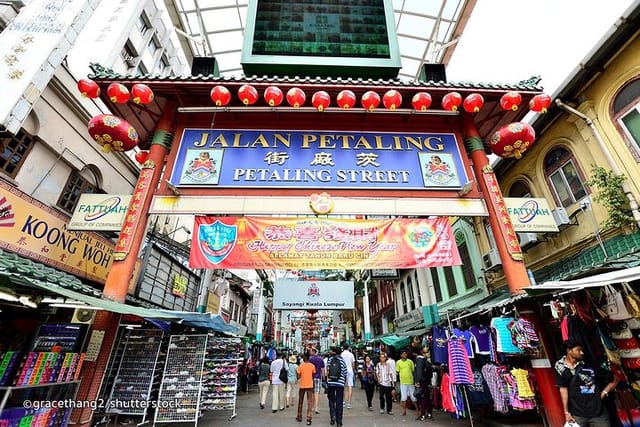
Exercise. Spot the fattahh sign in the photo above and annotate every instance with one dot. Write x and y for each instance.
(530, 215)
(100, 212)
(313, 295)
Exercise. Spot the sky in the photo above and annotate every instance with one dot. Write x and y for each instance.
(506, 41)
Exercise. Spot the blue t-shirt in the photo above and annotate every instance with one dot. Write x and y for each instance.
(439, 351)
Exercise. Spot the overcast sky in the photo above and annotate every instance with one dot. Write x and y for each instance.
(506, 41)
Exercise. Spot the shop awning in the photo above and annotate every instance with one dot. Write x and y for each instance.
(21, 271)
(396, 341)
(597, 280)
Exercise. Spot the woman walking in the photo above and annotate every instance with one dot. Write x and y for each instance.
(386, 378)
(292, 375)
(368, 378)
(264, 383)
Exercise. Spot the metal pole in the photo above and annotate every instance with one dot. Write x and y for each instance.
(365, 307)
(204, 290)
(260, 321)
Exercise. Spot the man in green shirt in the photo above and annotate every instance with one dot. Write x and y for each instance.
(405, 369)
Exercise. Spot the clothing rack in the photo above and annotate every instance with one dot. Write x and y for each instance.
(464, 389)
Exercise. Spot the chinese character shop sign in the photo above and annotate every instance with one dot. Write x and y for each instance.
(308, 159)
(285, 243)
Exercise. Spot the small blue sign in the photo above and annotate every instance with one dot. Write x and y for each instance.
(318, 159)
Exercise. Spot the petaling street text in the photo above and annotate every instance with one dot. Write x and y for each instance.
(322, 175)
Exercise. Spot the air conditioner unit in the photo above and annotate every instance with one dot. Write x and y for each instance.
(560, 216)
(83, 315)
(491, 260)
(527, 239)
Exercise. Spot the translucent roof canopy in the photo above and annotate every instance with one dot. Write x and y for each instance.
(427, 30)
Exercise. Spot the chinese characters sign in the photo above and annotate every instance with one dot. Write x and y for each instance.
(318, 159)
(321, 243)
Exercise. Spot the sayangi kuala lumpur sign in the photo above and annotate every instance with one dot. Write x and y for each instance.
(310, 159)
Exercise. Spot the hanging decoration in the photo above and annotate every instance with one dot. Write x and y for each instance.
(248, 94)
(220, 95)
(273, 95)
(142, 156)
(141, 94)
(451, 101)
(112, 133)
(118, 93)
(512, 140)
(540, 103)
(370, 100)
(421, 101)
(473, 103)
(346, 99)
(88, 88)
(510, 101)
(321, 100)
(296, 97)
(392, 99)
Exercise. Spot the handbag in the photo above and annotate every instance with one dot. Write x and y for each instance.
(283, 375)
(631, 300)
(615, 305)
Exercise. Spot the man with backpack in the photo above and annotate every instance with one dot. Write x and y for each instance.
(336, 374)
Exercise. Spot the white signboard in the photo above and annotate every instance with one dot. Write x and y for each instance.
(313, 295)
(530, 215)
(99, 212)
(32, 46)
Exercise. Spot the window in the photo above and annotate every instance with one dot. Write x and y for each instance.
(412, 299)
(451, 282)
(403, 298)
(467, 271)
(128, 54)
(564, 177)
(519, 189)
(153, 45)
(14, 151)
(436, 284)
(163, 66)
(626, 110)
(143, 24)
(73, 189)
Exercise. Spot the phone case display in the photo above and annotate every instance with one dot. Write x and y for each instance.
(135, 373)
(69, 336)
(8, 363)
(179, 396)
(14, 413)
(48, 367)
(220, 382)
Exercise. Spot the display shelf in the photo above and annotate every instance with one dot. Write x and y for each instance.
(180, 389)
(69, 336)
(220, 374)
(14, 413)
(135, 373)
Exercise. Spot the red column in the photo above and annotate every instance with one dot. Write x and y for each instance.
(125, 257)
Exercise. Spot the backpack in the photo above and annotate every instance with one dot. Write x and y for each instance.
(335, 369)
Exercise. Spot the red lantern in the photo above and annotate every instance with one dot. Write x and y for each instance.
(421, 101)
(510, 101)
(473, 103)
(296, 97)
(113, 133)
(392, 99)
(540, 103)
(346, 99)
(512, 140)
(451, 101)
(320, 100)
(118, 93)
(273, 95)
(248, 94)
(88, 88)
(220, 95)
(142, 156)
(370, 100)
(141, 94)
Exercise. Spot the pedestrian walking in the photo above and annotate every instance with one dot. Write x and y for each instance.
(277, 383)
(306, 371)
(292, 376)
(350, 361)
(405, 368)
(336, 378)
(386, 378)
(423, 375)
(318, 362)
(368, 378)
(264, 381)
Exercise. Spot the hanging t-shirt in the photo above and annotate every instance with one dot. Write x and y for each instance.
(468, 340)
(459, 365)
(439, 353)
(482, 334)
(504, 343)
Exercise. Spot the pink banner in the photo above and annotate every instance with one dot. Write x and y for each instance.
(321, 243)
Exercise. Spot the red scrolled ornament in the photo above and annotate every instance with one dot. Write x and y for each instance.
(142, 156)
(273, 95)
(510, 101)
(370, 100)
(473, 103)
(451, 101)
(392, 99)
(296, 97)
(88, 88)
(248, 94)
(346, 99)
(421, 101)
(320, 100)
(112, 133)
(118, 93)
(512, 140)
(220, 95)
(540, 103)
(141, 94)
